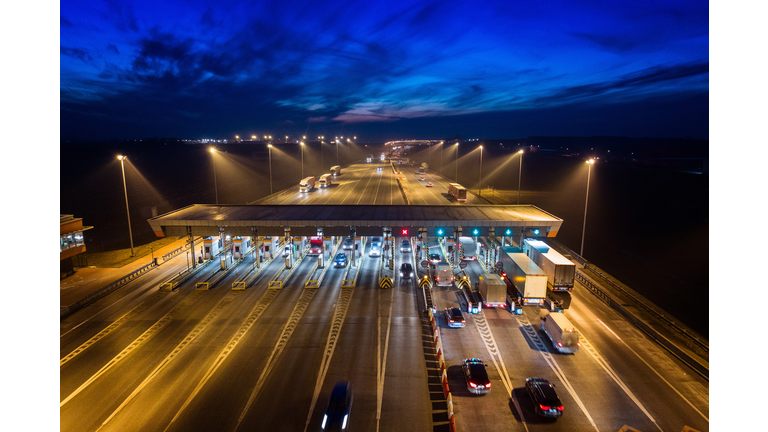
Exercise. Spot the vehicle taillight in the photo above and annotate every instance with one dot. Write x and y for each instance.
(463, 321)
(559, 344)
(488, 385)
(578, 344)
(451, 320)
(473, 385)
(544, 407)
(560, 408)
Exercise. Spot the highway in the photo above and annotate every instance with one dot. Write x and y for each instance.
(266, 359)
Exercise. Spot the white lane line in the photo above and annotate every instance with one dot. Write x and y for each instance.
(383, 365)
(339, 315)
(490, 345)
(290, 326)
(150, 301)
(176, 351)
(135, 344)
(256, 312)
(531, 331)
(654, 371)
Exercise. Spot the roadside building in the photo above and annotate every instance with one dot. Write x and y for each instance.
(71, 240)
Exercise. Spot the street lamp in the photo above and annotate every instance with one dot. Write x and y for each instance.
(337, 151)
(215, 186)
(584, 229)
(480, 185)
(270, 168)
(520, 175)
(125, 189)
(456, 161)
(302, 159)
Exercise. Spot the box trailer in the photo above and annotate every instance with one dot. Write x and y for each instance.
(493, 290)
(468, 247)
(528, 279)
(443, 275)
(559, 269)
(564, 336)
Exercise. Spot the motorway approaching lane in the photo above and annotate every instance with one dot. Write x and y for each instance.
(266, 359)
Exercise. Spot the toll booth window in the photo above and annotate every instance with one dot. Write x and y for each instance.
(237, 249)
(71, 241)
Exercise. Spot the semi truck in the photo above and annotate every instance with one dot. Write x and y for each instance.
(559, 269)
(564, 336)
(307, 184)
(336, 170)
(325, 180)
(493, 290)
(457, 191)
(369, 159)
(557, 301)
(469, 247)
(423, 168)
(528, 279)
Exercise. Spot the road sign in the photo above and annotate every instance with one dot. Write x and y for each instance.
(425, 283)
(425, 263)
(499, 265)
(385, 282)
(463, 264)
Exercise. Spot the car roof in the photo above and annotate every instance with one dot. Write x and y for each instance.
(455, 311)
(405, 265)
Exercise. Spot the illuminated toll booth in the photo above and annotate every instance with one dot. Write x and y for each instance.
(328, 243)
(300, 245)
(240, 245)
(211, 246)
(270, 246)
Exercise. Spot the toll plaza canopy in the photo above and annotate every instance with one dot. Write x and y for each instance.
(272, 220)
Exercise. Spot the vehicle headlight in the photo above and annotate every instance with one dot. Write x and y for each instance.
(344, 423)
(325, 418)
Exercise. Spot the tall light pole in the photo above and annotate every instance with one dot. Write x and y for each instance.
(302, 159)
(456, 161)
(520, 175)
(441, 157)
(429, 154)
(215, 186)
(322, 156)
(480, 184)
(584, 229)
(125, 189)
(349, 144)
(270, 168)
(337, 151)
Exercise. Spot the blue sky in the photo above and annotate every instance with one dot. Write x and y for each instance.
(382, 70)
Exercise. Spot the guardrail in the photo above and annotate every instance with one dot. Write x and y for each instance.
(103, 291)
(703, 370)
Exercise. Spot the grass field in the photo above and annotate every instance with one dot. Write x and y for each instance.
(120, 257)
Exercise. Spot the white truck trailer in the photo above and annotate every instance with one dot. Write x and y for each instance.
(307, 184)
(528, 279)
(493, 290)
(559, 269)
(564, 336)
(326, 180)
(468, 247)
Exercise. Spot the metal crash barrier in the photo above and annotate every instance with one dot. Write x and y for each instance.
(275, 285)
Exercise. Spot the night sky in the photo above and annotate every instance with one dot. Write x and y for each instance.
(383, 70)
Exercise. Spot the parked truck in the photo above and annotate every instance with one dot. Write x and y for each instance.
(522, 274)
(325, 180)
(307, 184)
(493, 290)
(559, 269)
(468, 247)
(564, 336)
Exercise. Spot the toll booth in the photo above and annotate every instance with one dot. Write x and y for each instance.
(211, 246)
(270, 246)
(449, 244)
(328, 243)
(240, 245)
(300, 244)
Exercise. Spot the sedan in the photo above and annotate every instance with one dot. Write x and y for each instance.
(429, 184)
(544, 397)
(406, 271)
(340, 261)
(434, 258)
(454, 317)
(348, 243)
(337, 414)
(405, 246)
(421, 178)
(476, 376)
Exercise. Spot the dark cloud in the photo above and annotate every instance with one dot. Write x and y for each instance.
(63, 22)
(615, 42)
(113, 49)
(76, 53)
(644, 79)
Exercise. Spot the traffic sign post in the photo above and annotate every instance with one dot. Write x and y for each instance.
(500, 265)
(463, 264)
(425, 264)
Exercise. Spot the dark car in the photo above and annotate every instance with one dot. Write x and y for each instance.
(476, 376)
(348, 243)
(340, 261)
(434, 258)
(544, 397)
(454, 317)
(406, 271)
(336, 416)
